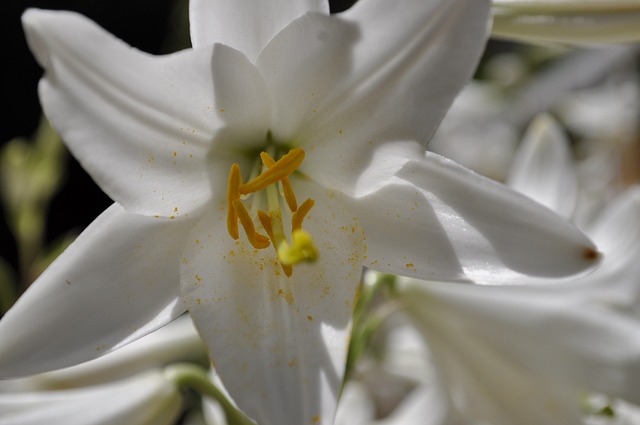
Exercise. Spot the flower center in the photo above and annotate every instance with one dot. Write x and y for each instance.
(301, 248)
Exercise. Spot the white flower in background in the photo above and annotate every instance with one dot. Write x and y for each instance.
(544, 167)
(531, 354)
(476, 133)
(266, 249)
(567, 21)
(604, 118)
(606, 111)
(124, 387)
(176, 342)
(146, 398)
(412, 397)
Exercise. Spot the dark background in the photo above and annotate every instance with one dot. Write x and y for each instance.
(155, 26)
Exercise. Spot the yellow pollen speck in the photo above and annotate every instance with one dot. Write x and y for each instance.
(175, 210)
(315, 419)
(198, 278)
(175, 153)
(171, 217)
(198, 301)
(409, 264)
(309, 317)
(221, 110)
(340, 131)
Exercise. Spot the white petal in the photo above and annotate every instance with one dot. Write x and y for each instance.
(117, 282)
(544, 338)
(279, 344)
(301, 66)
(617, 230)
(543, 168)
(414, 59)
(176, 342)
(437, 220)
(576, 22)
(140, 125)
(245, 25)
(485, 382)
(143, 399)
(617, 233)
(566, 6)
(243, 103)
(411, 59)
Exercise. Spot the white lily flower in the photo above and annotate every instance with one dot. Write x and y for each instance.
(567, 21)
(341, 106)
(528, 354)
(176, 342)
(146, 398)
(123, 387)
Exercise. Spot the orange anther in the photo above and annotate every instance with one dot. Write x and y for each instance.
(235, 180)
(267, 160)
(282, 168)
(289, 195)
(265, 220)
(256, 239)
(298, 216)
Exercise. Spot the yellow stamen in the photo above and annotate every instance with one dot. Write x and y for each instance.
(298, 216)
(282, 168)
(235, 180)
(302, 249)
(256, 239)
(289, 195)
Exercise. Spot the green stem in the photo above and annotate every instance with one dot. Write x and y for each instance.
(194, 377)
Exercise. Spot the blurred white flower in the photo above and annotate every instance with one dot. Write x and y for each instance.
(476, 133)
(124, 387)
(567, 21)
(176, 342)
(146, 398)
